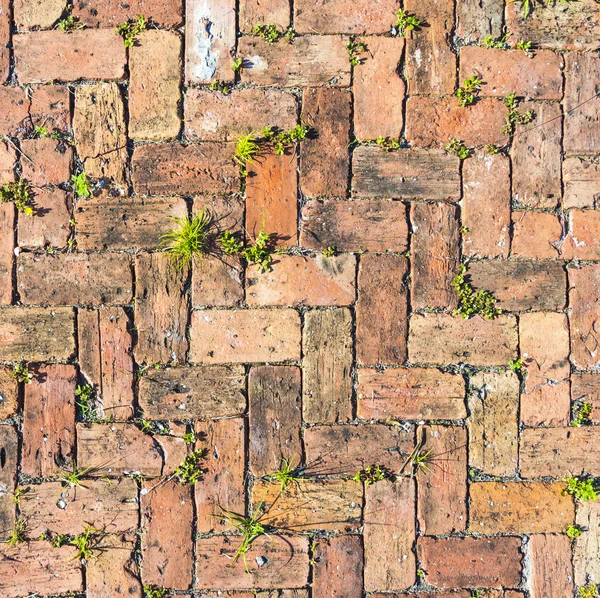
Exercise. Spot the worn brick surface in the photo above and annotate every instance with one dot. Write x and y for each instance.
(581, 178)
(9, 391)
(338, 567)
(552, 570)
(110, 13)
(50, 162)
(9, 446)
(30, 15)
(583, 296)
(475, 20)
(535, 235)
(582, 242)
(261, 12)
(7, 242)
(50, 222)
(587, 547)
(586, 388)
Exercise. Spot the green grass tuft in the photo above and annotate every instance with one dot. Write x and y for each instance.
(189, 240)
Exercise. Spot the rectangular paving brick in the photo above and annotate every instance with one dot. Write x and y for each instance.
(53, 229)
(405, 174)
(5, 26)
(536, 235)
(581, 178)
(7, 246)
(9, 449)
(338, 568)
(50, 162)
(586, 389)
(9, 391)
(110, 13)
(217, 282)
(244, 336)
(582, 243)
(259, 12)
(586, 548)
(475, 19)
(551, 566)
(584, 282)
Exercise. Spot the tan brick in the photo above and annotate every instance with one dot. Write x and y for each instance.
(389, 535)
(586, 548)
(311, 61)
(244, 336)
(586, 388)
(472, 562)
(584, 282)
(334, 505)
(345, 450)
(433, 122)
(161, 310)
(192, 392)
(74, 278)
(443, 339)
(338, 17)
(271, 198)
(37, 334)
(42, 56)
(8, 161)
(379, 90)
(99, 130)
(37, 15)
(110, 13)
(475, 19)
(551, 567)
(325, 161)
(405, 174)
(264, 12)
(50, 222)
(535, 235)
(209, 49)
(224, 472)
(7, 246)
(50, 162)
(338, 568)
(381, 309)
(285, 563)
(494, 423)
(155, 85)
(559, 452)
(430, 62)
(536, 157)
(167, 541)
(582, 242)
(9, 393)
(306, 281)
(448, 594)
(38, 567)
(520, 285)
(49, 422)
(410, 393)
(435, 253)
(213, 116)
(184, 169)
(275, 417)
(581, 180)
(14, 116)
(9, 450)
(5, 35)
(519, 508)
(544, 344)
(327, 347)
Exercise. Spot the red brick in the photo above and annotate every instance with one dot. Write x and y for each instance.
(38, 567)
(379, 90)
(345, 450)
(537, 156)
(505, 72)
(42, 56)
(337, 16)
(535, 235)
(50, 107)
(551, 567)
(9, 449)
(381, 309)
(442, 497)
(5, 27)
(99, 130)
(365, 225)
(475, 19)
(410, 393)
(584, 282)
(389, 535)
(310, 61)
(8, 161)
(184, 169)
(285, 563)
(544, 344)
(581, 180)
(110, 13)
(430, 61)
(275, 416)
(494, 423)
(213, 116)
(586, 388)
(209, 49)
(338, 568)
(271, 191)
(66, 510)
(435, 253)
(264, 12)
(471, 562)
(443, 339)
(37, 15)
(167, 540)
(433, 122)
(582, 126)
(245, 336)
(442, 594)
(405, 174)
(50, 162)
(9, 392)
(217, 281)
(37, 334)
(327, 348)
(155, 85)
(300, 280)
(519, 508)
(486, 205)
(14, 116)
(106, 222)
(586, 549)
(582, 242)
(325, 161)
(50, 224)
(49, 422)
(559, 452)
(74, 278)
(7, 246)
(224, 472)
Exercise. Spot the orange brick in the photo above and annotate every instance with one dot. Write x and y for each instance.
(586, 388)
(9, 467)
(9, 392)
(5, 25)
(50, 107)
(535, 235)
(50, 162)
(584, 282)
(260, 12)
(110, 13)
(582, 242)
(7, 247)
(8, 161)
(29, 15)
(338, 568)
(54, 227)
(551, 567)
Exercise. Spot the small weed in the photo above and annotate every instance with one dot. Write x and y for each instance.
(190, 471)
(85, 542)
(237, 63)
(387, 144)
(21, 373)
(57, 540)
(269, 33)
(354, 49)
(189, 240)
(18, 493)
(500, 44)
(229, 243)
(218, 85)
(246, 149)
(516, 365)
(458, 148)
(130, 29)
(84, 399)
(286, 474)
(574, 531)
(19, 193)
(189, 438)
(154, 592)
(329, 251)
(514, 117)
(289, 35)
(70, 23)
(468, 91)
(527, 5)
(421, 460)
(589, 591)
(17, 534)
(526, 47)
(81, 184)
(472, 303)
(581, 488)
(420, 574)
(463, 230)
(491, 149)
(283, 138)
(582, 413)
(371, 474)
(73, 479)
(405, 22)
(260, 252)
